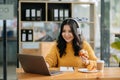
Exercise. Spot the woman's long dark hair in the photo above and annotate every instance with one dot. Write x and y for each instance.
(77, 41)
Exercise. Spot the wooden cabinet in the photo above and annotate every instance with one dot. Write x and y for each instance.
(44, 17)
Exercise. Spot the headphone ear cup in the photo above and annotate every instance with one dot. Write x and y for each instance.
(79, 30)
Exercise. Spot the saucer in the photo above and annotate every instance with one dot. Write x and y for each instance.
(85, 70)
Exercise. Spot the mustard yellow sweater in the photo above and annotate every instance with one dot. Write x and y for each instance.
(54, 60)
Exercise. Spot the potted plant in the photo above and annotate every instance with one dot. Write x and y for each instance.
(116, 45)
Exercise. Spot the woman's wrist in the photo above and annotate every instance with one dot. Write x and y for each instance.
(87, 62)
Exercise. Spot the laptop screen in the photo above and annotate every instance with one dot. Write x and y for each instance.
(34, 64)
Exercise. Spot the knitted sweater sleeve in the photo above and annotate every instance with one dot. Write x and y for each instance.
(90, 51)
(52, 56)
(92, 57)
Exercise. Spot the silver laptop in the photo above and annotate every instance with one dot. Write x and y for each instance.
(35, 64)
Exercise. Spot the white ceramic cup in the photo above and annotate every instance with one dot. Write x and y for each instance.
(100, 65)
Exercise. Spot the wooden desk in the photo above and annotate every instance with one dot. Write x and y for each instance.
(110, 73)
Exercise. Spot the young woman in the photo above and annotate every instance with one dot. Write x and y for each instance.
(66, 51)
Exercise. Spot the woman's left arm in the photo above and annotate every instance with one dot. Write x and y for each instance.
(90, 51)
(91, 62)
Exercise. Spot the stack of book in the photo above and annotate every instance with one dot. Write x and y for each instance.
(60, 14)
(33, 14)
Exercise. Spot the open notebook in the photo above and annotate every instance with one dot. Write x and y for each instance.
(35, 64)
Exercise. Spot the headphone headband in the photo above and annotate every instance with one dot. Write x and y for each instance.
(78, 28)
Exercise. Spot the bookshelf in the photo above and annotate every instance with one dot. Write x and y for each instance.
(38, 17)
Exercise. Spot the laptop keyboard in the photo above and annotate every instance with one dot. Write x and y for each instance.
(54, 72)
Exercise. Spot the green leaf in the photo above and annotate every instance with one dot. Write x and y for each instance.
(116, 45)
(116, 58)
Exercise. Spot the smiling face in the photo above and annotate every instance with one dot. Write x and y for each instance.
(67, 34)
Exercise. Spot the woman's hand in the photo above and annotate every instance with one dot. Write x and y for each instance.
(85, 60)
(83, 53)
(92, 65)
(84, 56)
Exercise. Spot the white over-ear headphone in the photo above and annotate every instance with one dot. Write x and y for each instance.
(78, 28)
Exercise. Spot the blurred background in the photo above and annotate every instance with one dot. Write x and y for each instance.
(106, 30)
